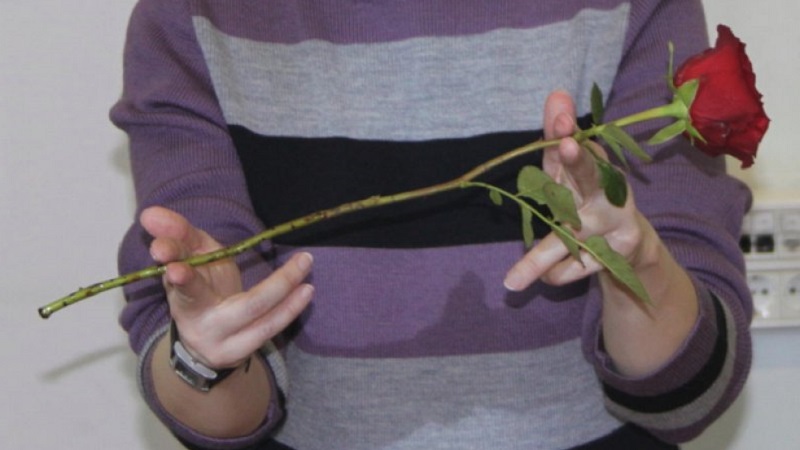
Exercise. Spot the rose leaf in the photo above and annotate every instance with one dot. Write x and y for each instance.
(598, 110)
(613, 183)
(495, 197)
(569, 241)
(562, 204)
(617, 265)
(527, 227)
(530, 183)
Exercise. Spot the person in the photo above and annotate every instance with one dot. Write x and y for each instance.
(431, 326)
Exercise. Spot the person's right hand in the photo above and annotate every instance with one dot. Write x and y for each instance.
(219, 324)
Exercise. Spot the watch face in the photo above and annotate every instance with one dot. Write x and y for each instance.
(190, 370)
(192, 378)
(192, 364)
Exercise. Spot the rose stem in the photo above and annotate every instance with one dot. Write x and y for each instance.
(370, 202)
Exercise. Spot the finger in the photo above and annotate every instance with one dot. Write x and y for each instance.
(175, 237)
(558, 104)
(270, 324)
(187, 281)
(579, 168)
(164, 250)
(188, 292)
(559, 122)
(242, 323)
(538, 261)
(164, 223)
(267, 294)
(570, 270)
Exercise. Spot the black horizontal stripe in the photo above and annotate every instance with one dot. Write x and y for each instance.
(688, 392)
(289, 177)
(627, 437)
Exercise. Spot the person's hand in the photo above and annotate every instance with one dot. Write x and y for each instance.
(219, 324)
(575, 168)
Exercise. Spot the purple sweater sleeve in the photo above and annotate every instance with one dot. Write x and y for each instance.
(697, 210)
(182, 158)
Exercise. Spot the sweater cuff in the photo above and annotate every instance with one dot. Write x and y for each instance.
(688, 360)
(187, 434)
(684, 390)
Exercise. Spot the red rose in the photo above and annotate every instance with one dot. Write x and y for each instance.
(727, 110)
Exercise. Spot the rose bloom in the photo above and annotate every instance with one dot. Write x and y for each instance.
(727, 110)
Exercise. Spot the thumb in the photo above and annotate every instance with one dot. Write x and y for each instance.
(188, 292)
(559, 115)
(174, 236)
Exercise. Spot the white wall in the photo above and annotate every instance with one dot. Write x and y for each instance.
(765, 416)
(66, 199)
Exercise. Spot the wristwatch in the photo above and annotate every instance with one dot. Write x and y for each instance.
(192, 371)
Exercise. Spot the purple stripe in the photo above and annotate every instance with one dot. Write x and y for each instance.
(348, 22)
(431, 302)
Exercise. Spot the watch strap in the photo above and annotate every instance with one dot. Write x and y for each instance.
(193, 372)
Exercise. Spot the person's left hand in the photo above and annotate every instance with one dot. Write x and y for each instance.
(575, 168)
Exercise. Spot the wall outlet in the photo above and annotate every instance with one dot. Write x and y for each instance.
(770, 242)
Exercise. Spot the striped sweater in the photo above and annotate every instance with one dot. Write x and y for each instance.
(243, 114)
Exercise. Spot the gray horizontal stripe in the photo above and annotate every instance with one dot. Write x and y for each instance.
(693, 412)
(414, 89)
(292, 21)
(545, 399)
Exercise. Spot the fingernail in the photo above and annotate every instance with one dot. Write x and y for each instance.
(565, 124)
(155, 255)
(308, 290)
(514, 281)
(304, 261)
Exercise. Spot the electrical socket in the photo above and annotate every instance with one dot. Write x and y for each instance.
(770, 242)
(791, 297)
(766, 297)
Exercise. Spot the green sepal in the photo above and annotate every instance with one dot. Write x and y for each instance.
(617, 266)
(687, 92)
(694, 133)
(527, 227)
(613, 183)
(562, 204)
(598, 110)
(670, 67)
(626, 141)
(668, 132)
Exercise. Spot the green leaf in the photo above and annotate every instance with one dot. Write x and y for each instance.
(613, 183)
(617, 265)
(495, 197)
(530, 183)
(668, 132)
(527, 227)
(615, 147)
(561, 203)
(623, 138)
(598, 110)
(569, 241)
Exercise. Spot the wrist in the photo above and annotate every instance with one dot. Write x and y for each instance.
(191, 369)
(650, 250)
